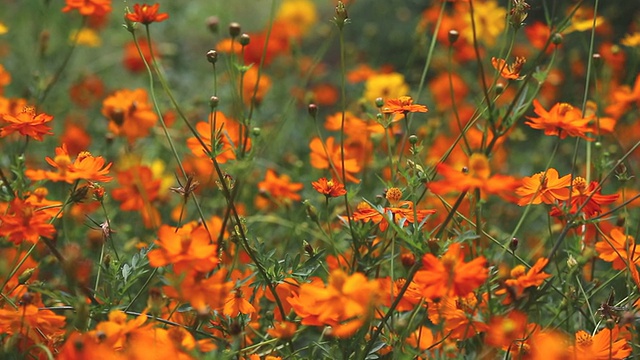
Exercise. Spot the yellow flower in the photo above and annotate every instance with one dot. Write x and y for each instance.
(582, 20)
(86, 37)
(3, 29)
(299, 15)
(631, 40)
(489, 22)
(386, 86)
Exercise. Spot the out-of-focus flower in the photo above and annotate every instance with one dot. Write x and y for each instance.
(391, 85)
(249, 86)
(88, 7)
(84, 167)
(476, 176)
(403, 105)
(146, 14)
(138, 189)
(489, 22)
(509, 71)
(130, 114)
(25, 222)
(544, 187)
(327, 156)
(329, 188)
(299, 15)
(27, 123)
(278, 190)
(85, 37)
(459, 316)
(505, 331)
(203, 293)
(450, 275)
(345, 303)
(562, 120)
(631, 40)
(187, 249)
(131, 59)
(582, 20)
(87, 90)
(520, 279)
(5, 79)
(34, 325)
(606, 344)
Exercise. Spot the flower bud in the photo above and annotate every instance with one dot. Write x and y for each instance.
(244, 40)
(341, 17)
(313, 110)
(234, 29)
(513, 244)
(413, 139)
(213, 23)
(256, 131)
(379, 102)
(212, 56)
(453, 36)
(556, 39)
(499, 88)
(213, 102)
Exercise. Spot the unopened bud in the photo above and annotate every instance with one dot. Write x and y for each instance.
(413, 139)
(499, 88)
(234, 29)
(341, 17)
(313, 110)
(308, 248)
(213, 23)
(407, 260)
(312, 213)
(256, 131)
(25, 276)
(556, 39)
(513, 244)
(213, 102)
(379, 102)
(453, 36)
(212, 56)
(244, 39)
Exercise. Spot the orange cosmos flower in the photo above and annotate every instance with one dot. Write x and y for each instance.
(458, 315)
(400, 212)
(87, 90)
(129, 113)
(27, 123)
(227, 134)
(138, 189)
(605, 345)
(236, 303)
(585, 198)
(84, 167)
(329, 188)
(89, 7)
(146, 14)
(619, 249)
(284, 330)
(345, 303)
(476, 176)
(131, 59)
(25, 222)
(187, 248)
(450, 275)
(278, 189)
(521, 279)
(327, 156)
(509, 71)
(38, 326)
(562, 120)
(544, 188)
(421, 339)
(202, 293)
(403, 105)
(505, 331)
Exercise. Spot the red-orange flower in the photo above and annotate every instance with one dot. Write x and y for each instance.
(138, 189)
(25, 222)
(509, 71)
(585, 198)
(39, 326)
(202, 293)
(327, 156)
(329, 188)
(400, 212)
(450, 275)
(458, 315)
(27, 123)
(562, 120)
(520, 279)
(544, 187)
(476, 176)
(129, 113)
(146, 14)
(403, 105)
(278, 189)
(89, 7)
(84, 167)
(187, 248)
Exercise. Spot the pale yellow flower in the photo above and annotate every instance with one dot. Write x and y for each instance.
(299, 15)
(3, 29)
(86, 37)
(489, 22)
(386, 86)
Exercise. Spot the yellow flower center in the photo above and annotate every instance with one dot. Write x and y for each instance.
(583, 339)
(394, 195)
(479, 166)
(564, 109)
(83, 155)
(580, 184)
(63, 162)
